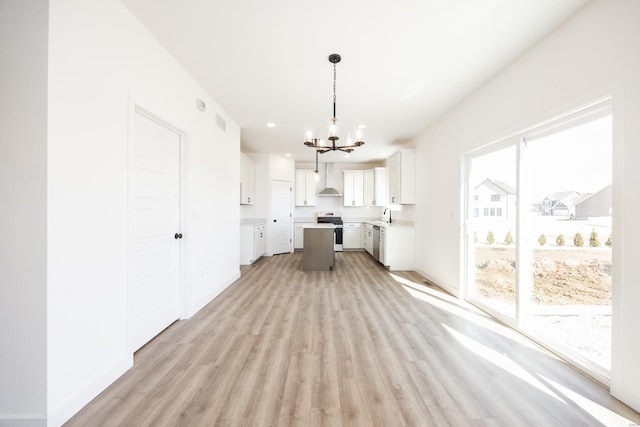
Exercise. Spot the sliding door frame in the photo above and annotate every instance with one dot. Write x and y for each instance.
(593, 110)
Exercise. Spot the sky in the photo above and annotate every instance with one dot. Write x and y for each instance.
(578, 159)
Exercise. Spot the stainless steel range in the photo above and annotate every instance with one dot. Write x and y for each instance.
(337, 235)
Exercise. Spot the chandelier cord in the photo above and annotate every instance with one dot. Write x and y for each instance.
(334, 91)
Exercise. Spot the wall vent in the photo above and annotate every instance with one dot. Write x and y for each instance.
(221, 123)
(201, 105)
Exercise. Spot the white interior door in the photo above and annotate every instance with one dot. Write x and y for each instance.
(281, 217)
(154, 242)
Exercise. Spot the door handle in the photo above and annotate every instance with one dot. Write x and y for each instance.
(177, 236)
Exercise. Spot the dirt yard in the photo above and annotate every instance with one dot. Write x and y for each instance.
(562, 275)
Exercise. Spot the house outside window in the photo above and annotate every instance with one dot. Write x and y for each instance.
(476, 212)
(498, 211)
(493, 211)
(495, 197)
(486, 211)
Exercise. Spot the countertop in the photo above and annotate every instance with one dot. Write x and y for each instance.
(372, 221)
(307, 219)
(368, 219)
(316, 225)
(385, 224)
(253, 221)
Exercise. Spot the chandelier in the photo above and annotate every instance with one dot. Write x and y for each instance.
(318, 144)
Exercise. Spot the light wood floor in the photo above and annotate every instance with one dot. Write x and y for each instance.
(356, 346)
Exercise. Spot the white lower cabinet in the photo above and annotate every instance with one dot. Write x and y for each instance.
(397, 245)
(298, 235)
(367, 238)
(252, 242)
(352, 235)
(383, 243)
(260, 240)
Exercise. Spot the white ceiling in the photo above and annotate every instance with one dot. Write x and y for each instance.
(404, 62)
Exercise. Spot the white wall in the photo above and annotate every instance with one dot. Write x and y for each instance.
(23, 195)
(594, 53)
(101, 61)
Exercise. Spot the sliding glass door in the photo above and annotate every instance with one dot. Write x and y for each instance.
(539, 234)
(569, 247)
(492, 230)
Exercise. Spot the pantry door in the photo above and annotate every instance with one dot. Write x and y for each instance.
(281, 217)
(154, 230)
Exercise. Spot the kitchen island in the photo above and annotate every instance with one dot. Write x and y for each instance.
(319, 254)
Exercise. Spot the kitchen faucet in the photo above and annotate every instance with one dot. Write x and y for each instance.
(385, 211)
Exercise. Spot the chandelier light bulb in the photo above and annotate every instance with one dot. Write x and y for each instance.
(333, 130)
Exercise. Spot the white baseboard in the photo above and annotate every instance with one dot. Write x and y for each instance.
(446, 286)
(22, 421)
(196, 307)
(68, 409)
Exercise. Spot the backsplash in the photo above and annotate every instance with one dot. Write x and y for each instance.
(334, 204)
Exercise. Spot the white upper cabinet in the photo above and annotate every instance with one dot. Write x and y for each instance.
(402, 178)
(375, 187)
(247, 180)
(305, 187)
(369, 195)
(353, 191)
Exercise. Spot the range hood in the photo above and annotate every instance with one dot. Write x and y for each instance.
(329, 191)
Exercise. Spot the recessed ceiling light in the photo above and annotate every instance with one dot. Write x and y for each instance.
(347, 155)
(287, 155)
(270, 124)
(383, 154)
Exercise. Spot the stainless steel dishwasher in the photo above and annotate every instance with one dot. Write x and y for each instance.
(376, 242)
